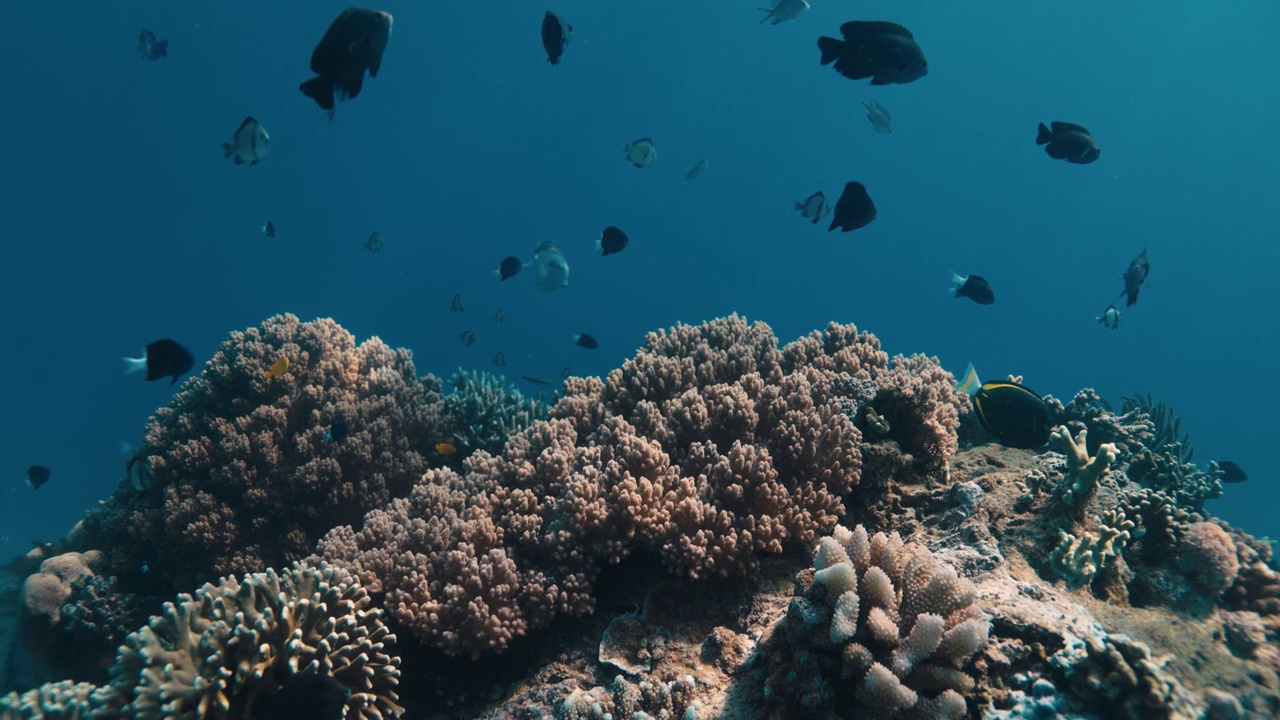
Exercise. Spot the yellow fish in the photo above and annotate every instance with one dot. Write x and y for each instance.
(446, 448)
(278, 368)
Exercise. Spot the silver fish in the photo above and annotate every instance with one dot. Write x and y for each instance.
(815, 206)
(697, 169)
(641, 153)
(551, 270)
(249, 144)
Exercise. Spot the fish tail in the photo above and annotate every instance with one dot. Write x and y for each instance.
(798, 206)
(969, 382)
(228, 149)
(162, 48)
(135, 364)
(1044, 136)
(768, 13)
(320, 89)
(832, 49)
(958, 282)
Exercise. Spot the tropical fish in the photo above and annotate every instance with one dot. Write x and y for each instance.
(854, 209)
(697, 169)
(162, 358)
(883, 51)
(815, 206)
(1231, 472)
(38, 475)
(337, 432)
(508, 268)
(1014, 414)
(641, 153)
(278, 368)
(249, 144)
(446, 448)
(1134, 276)
(1110, 317)
(879, 117)
(500, 360)
(353, 44)
(535, 380)
(584, 340)
(555, 36)
(137, 468)
(499, 316)
(974, 287)
(612, 241)
(455, 305)
(551, 270)
(1068, 141)
(374, 243)
(784, 10)
(151, 48)
(269, 229)
(467, 337)
(566, 372)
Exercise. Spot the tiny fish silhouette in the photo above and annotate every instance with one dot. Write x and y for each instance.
(456, 305)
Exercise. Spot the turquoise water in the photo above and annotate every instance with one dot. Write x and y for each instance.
(124, 224)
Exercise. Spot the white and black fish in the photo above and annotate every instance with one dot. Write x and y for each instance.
(1110, 317)
(879, 117)
(641, 153)
(784, 10)
(815, 206)
(249, 144)
(151, 48)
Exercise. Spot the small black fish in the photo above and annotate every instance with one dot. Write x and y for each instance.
(337, 432)
(535, 380)
(468, 338)
(269, 229)
(1134, 276)
(555, 36)
(612, 241)
(974, 287)
(508, 268)
(854, 209)
(584, 340)
(883, 51)
(1231, 472)
(307, 696)
(162, 358)
(353, 44)
(374, 243)
(151, 48)
(456, 305)
(1014, 414)
(500, 360)
(37, 475)
(566, 372)
(1068, 141)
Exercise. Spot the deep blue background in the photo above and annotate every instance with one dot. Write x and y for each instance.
(123, 224)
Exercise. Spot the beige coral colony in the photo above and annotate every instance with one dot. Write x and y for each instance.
(722, 527)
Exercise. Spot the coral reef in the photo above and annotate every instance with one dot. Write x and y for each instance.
(246, 471)
(483, 411)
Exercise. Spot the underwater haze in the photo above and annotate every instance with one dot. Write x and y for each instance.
(124, 223)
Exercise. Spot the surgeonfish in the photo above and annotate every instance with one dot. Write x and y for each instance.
(1014, 414)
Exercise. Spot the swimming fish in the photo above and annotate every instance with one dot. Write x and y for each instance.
(815, 206)
(38, 475)
(137, 468)
(151, 48)
(551, 270)
(612, 241)
(584, 340)
(278, 368)
(697, 169)
(641, 153)
(974, 287)
(784, 10)
(249, 144)
(883, 51)
(535, 381)
(374, 243)
(1068, 141)
(566, 372)
(307, 695)
(499, 316)
(446, 448)
(1015, 415)
(353, 44)
(500, 360)
(879, 117)
(1134, 276)
(854, 209)
(455, 305)
(467, 337)
(162, 358)
(269, 229)
(555, 36)
(1231, 472)
(508, 268)
(1110, 317)
(337, 432)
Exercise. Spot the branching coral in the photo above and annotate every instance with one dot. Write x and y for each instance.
(885, 629)
(247, 469)
(1083, 472)
(483, 411)
(1078, 558)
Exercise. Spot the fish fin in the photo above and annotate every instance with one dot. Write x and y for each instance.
(879, 81)
(969, 382)
(1060, 127)
(161, 48)
(831, 48)
(872, 30)
(768, 14)
(320, 89)
(1043, 135)
(135, 364)
(237, 160)
(959, 282)
(247, 122)
(626, 148)
(228, 149)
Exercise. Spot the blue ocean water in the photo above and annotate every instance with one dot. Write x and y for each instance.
(124, 224)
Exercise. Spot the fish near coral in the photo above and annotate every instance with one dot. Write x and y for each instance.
(278, 368)
(1134, 276)
(1231, 472)
(353, 44)
(854, 209)
(37, 475)
(162, 358)
(1014, 414)
(883, 51)
(1068, 141)
(468, 338)
(446, 448)
(249, 144)
(583, 340)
